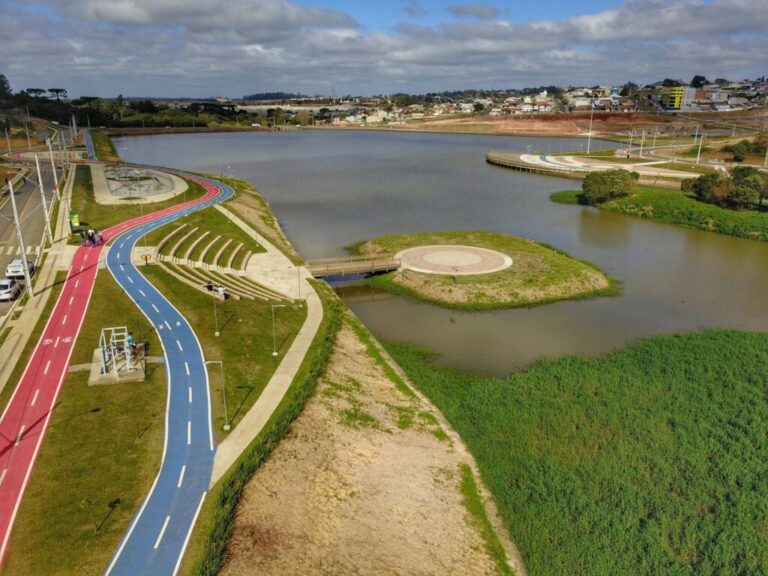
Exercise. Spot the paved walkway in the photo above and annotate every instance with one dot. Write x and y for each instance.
(454, 260)
(275, 270)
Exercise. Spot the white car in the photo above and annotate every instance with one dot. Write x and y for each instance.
(10, 289)
(15, 268)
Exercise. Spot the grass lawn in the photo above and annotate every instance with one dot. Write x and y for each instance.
(245, 344)
(105, 149)
(675, 207)
(650, 460)
(103, 448)
(207, 220)
(539, 273)
(103, 216)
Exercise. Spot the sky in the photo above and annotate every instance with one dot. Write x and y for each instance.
(204, 48)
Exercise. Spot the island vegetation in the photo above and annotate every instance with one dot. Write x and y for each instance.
(539, 273)
(649, 460)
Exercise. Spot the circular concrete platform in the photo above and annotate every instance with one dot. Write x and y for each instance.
(453, 260)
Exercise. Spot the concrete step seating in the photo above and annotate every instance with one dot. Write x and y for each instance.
(167, 239)
(244, 265)
(175, 249)
(194, 244)
(180, 273)
(220, 252)
(232, 256)
(246, 285)
(207, 249)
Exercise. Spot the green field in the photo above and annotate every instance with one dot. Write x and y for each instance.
(650, 460)
(539, 274)
(675, 207)
(105, 149)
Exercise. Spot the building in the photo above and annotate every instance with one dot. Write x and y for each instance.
(672, 97)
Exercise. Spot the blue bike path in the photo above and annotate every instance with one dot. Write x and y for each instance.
(159, 531)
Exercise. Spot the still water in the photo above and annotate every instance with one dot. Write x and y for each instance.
(330, 189)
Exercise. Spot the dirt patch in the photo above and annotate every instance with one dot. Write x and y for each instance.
(365, 483)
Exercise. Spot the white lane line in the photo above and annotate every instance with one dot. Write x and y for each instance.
(34, 398)
(142, 293)
(21, 433)
(130, 279)
(57, 342)
(179, 345)
(70, 300)
(189, 533)
(186, 367)
(2, 476)
(77, 283)
(47, 365)
(167, 325)
(181, 476)
(155, 308)
(118, 255)
(162, 531)
(81, 268)
(190, 394)
(189, 431)
(65, 319)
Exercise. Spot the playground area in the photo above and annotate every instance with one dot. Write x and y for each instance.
(122, 184)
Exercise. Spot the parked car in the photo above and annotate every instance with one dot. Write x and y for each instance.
(10, 289)
(15, 270)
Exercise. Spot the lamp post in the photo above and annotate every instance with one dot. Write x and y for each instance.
(274, 338)
(698, 154)
(20, 238)
(589, 134)
(45, 205)
(55, 174)
(216, 315)
(227, 425)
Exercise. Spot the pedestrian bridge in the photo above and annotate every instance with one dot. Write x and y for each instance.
(349, 265)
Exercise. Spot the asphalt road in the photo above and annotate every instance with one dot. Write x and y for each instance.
(29, 206)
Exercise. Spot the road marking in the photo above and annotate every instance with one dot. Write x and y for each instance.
(189, 431)
(181, 476)
(155, 308)
(2, 476)
(179, 345)
(81, 268)
(118, 255)
(47, 365)
(142, 293)
(57, 342)
(190, 394)
(162, 531)
(70, 300)
(167, 325)
(65, 319)
(186, 367)
(130, 279)
(21, 433)
(77, 283)
(34, 398)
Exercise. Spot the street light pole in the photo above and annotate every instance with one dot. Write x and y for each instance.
(642, 143)
(20, 239)
(227, 425)
(274, 338)
(215, 315)
(589, 134)
(698, 154)
(29, 143)
(55, 174)
(45, 205)
(8, 140)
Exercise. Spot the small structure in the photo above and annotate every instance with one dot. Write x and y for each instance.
(116, 351)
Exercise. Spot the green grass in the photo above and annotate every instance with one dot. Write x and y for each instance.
(650, 460)
(474, 505)
(105, 149)
(674, 207)
(103, 446)
(207, 550)
(208, 219)
(539, 274)
(101, 216)
(245, 344)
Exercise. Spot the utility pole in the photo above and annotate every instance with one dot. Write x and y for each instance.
(29, 144)
(698, 154)
(45, 205)
(20, 238)
(589, 135)
(642, 143)
(8, 139)
(55, 174)
(631, 137)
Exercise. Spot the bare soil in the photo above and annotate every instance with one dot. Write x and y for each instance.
(366, 483)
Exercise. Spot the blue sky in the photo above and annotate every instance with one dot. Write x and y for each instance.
(203, 48)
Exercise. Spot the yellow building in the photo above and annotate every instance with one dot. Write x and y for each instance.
(672, 97)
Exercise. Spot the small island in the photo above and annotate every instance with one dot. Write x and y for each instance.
(471, 270)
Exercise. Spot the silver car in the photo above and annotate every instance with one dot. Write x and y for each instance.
(10, 289)
(15, 268)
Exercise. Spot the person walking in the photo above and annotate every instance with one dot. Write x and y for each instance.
(222, 292)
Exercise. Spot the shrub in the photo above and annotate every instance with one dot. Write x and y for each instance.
(602, 186)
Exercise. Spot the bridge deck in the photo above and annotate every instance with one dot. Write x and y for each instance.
(353, 265)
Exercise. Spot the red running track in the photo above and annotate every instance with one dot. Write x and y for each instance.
(25, 419)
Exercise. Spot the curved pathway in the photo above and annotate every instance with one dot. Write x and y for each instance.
(25, 419)
(158, 534)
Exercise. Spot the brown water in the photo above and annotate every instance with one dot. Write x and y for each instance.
(330, 189)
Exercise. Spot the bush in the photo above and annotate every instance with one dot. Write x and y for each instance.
(606, 185)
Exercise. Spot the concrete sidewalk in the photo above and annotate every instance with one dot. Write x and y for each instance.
(59, 257)
(275, 270)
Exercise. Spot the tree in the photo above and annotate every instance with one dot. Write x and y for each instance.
(750, 186)
(5, 88)
(712, 187)
(698, 81)
(58, 92)
(35, 92)
(479, 107)
(599, 187)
